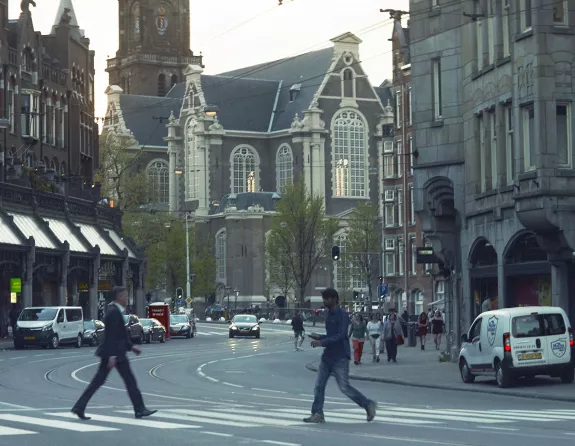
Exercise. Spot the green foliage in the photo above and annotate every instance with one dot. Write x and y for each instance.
(119, 179)
(364, 241)
(279, 271)
(301, 234)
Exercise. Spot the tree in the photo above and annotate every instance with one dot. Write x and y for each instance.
(203, 266)
(279, 271)
(363, 242)
(303, 232)
(117, 173)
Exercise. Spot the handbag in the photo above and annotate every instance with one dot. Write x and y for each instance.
(400, 340)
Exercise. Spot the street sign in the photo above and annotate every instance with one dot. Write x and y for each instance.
(15, 285)
(426, 255)
(383, 289)
(189, 300)
(180, 302)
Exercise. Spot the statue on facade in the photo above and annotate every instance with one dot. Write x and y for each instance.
(25, 5)
(66, 17)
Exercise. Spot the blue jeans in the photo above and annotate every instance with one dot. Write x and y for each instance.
(339, 369)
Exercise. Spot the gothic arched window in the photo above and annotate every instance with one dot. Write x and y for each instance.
(158, 177)
(349, 154)
(221, 255)
(284, 167)
(244, 170)
(348, 87)
(162, 85)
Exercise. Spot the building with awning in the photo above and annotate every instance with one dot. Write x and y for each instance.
(57, 250)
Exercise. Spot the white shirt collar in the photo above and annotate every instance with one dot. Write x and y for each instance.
(121, 308)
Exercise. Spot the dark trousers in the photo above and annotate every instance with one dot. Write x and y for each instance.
(391, 346)
(123, 366)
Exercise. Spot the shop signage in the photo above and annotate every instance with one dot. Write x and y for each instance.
(15, 285)
(83, 287)
(426, 255)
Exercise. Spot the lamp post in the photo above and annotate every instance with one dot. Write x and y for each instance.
(237, 291)
(188, 277)
(4, 125)
(228, 289)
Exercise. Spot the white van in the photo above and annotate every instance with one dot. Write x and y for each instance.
(49, 327)
(518, 342)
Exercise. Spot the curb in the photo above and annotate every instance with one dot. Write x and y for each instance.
(400, 382)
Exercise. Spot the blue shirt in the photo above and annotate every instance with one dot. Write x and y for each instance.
(335, 341)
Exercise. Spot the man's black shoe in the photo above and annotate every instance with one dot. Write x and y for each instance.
(80, 414)
(145, 413)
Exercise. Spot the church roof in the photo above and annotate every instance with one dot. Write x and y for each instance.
(139, 113)
(65, 4)
(307, 70)
(384, 93)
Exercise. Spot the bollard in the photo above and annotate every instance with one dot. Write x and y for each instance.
(411, 334)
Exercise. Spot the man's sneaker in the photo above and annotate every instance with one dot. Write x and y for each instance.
(370, 409)
(315, 418)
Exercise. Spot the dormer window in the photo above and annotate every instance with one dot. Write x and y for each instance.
(293, 91)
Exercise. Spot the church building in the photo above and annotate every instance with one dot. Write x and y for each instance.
(229, 143)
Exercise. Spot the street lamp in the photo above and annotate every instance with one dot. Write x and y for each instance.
(228, 288)
(188, 277)
(237, 291)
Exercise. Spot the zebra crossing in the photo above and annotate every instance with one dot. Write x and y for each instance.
(250, 416)
(211, 333)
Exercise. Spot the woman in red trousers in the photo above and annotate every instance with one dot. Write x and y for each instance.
(358, 334)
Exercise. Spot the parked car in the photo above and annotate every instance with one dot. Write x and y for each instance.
(180, 325)
(94, 331)
(49, 327)
(134, 328)
(514, 342)
(153, 330)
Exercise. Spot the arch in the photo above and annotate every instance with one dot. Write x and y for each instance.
(159, 181)
(244, 166)
(54, 164)
(524, 247)
(173, 80)
(221, 255)
(349, 134)
(162, 85)
(284, 167)
(440, 196)
(348, 83)
(482, 253)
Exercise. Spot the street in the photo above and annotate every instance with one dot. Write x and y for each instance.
(212, 390)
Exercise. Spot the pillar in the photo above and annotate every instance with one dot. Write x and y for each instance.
(63, 286)
(139, 295)
(27, 285)
(93, 288)
(560, 285)
(173, 142)
(125, 270)
(501, 284)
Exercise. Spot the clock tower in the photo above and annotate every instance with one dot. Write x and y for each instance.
(154, 51)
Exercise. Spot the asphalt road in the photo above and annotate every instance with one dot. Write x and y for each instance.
(212, 390)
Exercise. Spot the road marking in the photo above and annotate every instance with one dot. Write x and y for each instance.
(15, 406)
(129, 422)
(224, 418)
(11, 431)
(350, 418)
(180, 414)
(281, 443)
(233, 385)
(217, 434)
(267, 390)
(17, 357)
(211, 379)
(57, 424)
(510, 429)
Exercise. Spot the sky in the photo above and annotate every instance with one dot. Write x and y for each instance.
(233, 34)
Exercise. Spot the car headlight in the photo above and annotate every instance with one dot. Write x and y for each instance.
(47, 327)
(256, 327)
(233, 327)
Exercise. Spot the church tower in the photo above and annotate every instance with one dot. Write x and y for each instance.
(154, 51)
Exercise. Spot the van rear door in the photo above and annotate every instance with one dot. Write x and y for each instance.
(539, 339)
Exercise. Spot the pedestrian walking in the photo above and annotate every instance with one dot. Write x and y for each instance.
(335, 360)
(358, 335)
(422, 321)
(298, 330)
(393, 336)
(113, 353)
(437, 325)
(375, 333)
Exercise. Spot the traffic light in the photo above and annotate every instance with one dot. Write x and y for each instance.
(179, 293)
(335, 252)
(380, 279)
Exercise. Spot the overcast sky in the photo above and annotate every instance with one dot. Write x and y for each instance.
(233, 34)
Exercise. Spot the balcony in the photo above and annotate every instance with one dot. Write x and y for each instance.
(117, 62)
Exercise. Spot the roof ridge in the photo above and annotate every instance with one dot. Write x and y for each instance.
(242, 78)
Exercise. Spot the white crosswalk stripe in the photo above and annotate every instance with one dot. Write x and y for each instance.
(212, 333)
(253, 416)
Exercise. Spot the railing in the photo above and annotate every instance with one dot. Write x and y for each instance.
(190, 60)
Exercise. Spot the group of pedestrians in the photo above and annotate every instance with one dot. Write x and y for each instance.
(430, 321)
(384, 335)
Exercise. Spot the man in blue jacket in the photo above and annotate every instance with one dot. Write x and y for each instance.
(335, 360)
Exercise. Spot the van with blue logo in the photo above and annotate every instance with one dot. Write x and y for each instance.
(518, 342)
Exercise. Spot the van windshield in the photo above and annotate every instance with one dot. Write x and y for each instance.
(38, 314)
(534, 325)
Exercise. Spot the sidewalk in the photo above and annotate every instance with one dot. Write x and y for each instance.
(6, 344)
(419, 368)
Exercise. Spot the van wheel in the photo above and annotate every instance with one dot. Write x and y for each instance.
(466, 376)
(502, 376)
(54, 342)
(79, 341)
(568, 376)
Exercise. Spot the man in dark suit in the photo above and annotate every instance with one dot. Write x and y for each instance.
(113, 353)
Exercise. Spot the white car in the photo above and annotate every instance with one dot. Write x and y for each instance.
(49, 327)
(518, 342)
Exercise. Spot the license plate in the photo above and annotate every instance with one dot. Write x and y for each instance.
(530, 356)
(30, 338)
